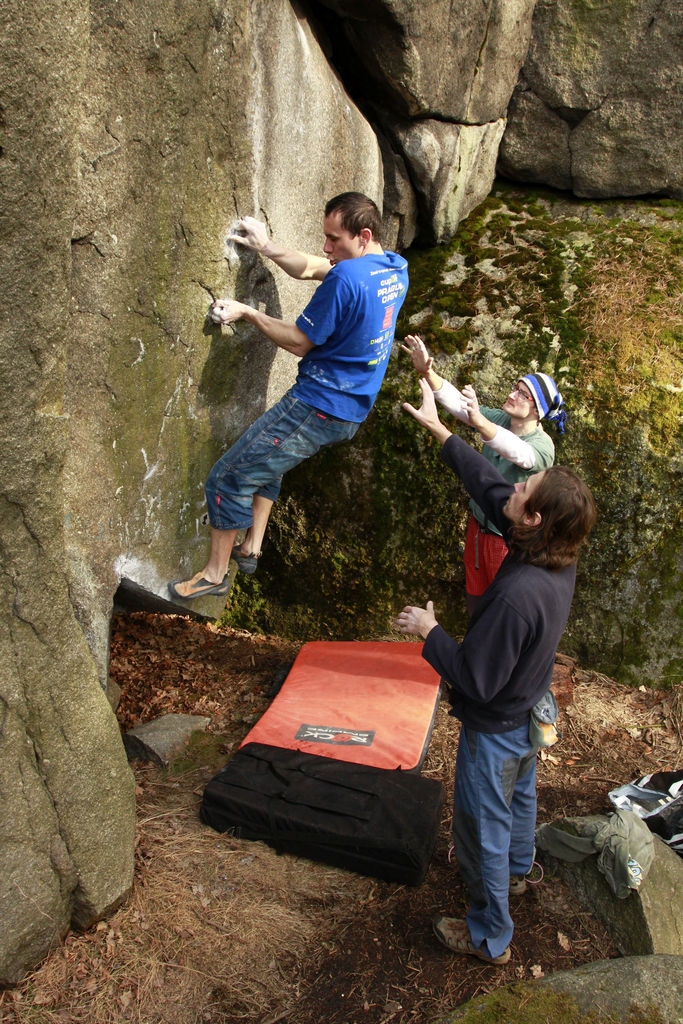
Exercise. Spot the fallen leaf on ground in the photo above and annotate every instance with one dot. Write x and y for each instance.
(43, 998)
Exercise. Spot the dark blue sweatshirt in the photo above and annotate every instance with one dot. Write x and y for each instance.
(505, 662)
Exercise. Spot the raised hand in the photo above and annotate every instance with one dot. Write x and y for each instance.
(226, 311)
(476, 419)
(416, 621)
(255, 234)
(417, 350)
(427, 414)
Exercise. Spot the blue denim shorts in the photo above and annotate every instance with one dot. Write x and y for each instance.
(279, 440)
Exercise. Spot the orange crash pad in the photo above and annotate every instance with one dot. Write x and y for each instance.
(366, 702)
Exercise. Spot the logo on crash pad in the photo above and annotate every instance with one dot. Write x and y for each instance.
(338, 737)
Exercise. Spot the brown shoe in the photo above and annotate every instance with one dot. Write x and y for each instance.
(454, 934)
(200, 588)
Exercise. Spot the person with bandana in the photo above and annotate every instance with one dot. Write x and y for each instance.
(514, 442)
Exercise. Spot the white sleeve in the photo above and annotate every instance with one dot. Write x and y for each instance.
(452, 400)
(513, 448)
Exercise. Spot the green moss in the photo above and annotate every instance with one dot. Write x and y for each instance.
(340, 566)
(535, 1004)
(203, 750)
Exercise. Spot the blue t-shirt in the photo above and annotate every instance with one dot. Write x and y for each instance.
(351, 321)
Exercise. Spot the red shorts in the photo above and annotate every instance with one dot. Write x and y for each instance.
(484, 554)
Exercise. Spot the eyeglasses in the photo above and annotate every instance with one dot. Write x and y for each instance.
(516, 390)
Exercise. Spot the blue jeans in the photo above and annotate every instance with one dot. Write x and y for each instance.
(279, 440)
(494, 817)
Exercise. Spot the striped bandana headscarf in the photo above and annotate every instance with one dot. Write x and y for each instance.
(548, 400)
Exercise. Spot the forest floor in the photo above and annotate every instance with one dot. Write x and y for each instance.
(221, 930)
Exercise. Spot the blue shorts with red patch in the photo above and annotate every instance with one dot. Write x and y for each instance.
(279, 440)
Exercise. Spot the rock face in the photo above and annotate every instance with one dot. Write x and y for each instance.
(448, 164)
(192, 118)
(132, 138)
(66, 801)
(599, 103)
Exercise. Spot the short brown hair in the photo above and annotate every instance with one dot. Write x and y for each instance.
(567, 510)
(357, 212)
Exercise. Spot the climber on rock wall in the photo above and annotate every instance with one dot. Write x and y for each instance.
(342, 338)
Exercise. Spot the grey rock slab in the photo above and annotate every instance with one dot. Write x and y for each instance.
(452, 166)
(164, 738)
(189, 121)
(615, 986)
(548, 159)
(600, 100)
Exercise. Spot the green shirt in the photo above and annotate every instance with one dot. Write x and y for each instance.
(543, 447)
